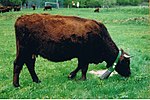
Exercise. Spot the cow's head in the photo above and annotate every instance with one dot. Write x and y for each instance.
(123, 65)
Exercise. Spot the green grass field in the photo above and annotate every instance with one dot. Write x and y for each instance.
(129, 28)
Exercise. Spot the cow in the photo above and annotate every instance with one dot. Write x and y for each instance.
(4, 9)
(61, 38)
(96, 10)
(33, 6)
(9, 8)
(47, 7)
(17, 8)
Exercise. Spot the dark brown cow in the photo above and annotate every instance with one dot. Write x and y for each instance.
(60, 38)
(17, 8)
(33, 6)
(96, 10)
(4, 9)
(9, 8)
(47, 7)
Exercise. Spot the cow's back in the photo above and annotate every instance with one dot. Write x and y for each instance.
(55, 26)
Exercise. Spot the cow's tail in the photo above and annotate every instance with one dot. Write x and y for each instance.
(21, 35)
(17, 39)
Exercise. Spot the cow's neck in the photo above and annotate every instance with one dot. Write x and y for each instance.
(110, 50)
(112, 53)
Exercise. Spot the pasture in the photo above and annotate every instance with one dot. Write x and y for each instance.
(129, 28)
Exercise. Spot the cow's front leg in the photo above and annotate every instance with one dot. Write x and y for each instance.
(30, 62)
(84, 69)
(73, 73)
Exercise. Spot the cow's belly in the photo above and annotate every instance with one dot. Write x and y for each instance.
(58, 56)
(58, 52)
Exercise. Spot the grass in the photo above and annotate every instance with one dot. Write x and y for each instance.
(129, 28)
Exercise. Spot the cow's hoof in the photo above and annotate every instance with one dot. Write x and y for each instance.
(16, 85)
(37, 81)
(83, 79)
(71, 75)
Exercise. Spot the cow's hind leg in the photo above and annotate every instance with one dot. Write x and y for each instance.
(30, 62)
(18, 64)
(16, 73)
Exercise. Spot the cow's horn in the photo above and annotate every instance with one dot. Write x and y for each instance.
(126, 56)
